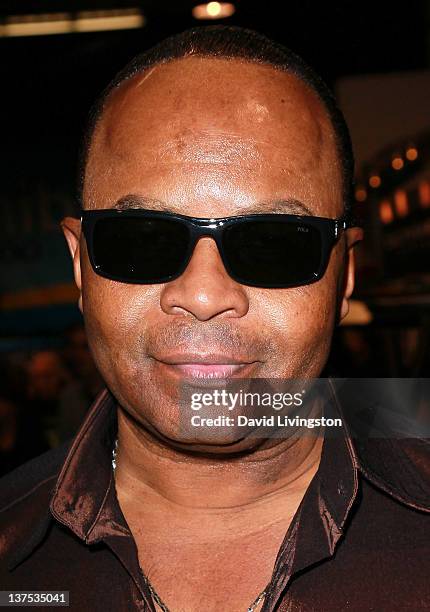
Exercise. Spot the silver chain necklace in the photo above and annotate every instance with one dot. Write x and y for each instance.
(153, 592)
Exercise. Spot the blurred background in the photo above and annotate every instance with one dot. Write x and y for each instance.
(56, 56)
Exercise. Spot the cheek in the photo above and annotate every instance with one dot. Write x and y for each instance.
(116, 318)
(302, 321)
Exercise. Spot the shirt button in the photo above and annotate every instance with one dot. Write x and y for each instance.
(341, 489)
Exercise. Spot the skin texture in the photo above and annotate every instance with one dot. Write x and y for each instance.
(210, 138)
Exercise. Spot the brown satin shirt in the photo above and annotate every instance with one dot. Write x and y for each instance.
(360, 540)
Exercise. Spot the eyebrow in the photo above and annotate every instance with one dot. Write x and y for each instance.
(286, 206)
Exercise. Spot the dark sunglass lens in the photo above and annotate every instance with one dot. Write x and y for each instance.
(137, 249)
(271, 253)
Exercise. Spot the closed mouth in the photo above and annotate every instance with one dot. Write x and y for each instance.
(199, 366)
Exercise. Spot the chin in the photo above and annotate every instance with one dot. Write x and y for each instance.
(223, 447)
(201, 439)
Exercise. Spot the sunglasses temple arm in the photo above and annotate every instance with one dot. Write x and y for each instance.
(340, 226)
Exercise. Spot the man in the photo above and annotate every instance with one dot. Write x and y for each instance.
(217, 123)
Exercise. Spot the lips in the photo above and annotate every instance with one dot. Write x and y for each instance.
(207, 370)
(192, 365)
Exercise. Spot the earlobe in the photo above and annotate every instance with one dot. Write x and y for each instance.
(72, 232)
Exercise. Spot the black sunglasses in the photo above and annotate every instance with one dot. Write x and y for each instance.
(143, 246)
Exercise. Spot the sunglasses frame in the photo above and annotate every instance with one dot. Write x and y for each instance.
(330, 231)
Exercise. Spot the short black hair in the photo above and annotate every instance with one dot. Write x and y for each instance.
(230, 42)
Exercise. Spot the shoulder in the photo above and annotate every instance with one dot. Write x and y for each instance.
(400, 468)
(25, 495)
(27, 479)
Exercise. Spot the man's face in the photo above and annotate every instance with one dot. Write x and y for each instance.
(209, 138)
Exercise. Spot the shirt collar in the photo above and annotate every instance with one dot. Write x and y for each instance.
(86, 478)
(84, 498)
(322, 514)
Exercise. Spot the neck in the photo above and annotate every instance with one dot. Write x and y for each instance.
(152, 475)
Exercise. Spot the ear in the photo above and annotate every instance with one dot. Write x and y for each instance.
(72, 232)
(353, 236)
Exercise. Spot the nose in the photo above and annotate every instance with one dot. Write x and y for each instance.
(205, 290)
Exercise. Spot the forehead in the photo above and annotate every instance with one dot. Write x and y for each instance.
(198, 120)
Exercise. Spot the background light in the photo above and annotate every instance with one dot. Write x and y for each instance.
(424, 194)
(401, 202)
(213, 10)
(375, 181)
(66, 23)
(385, 211)
(411, 154)
(360, 194)
(397, 163)
(358, 314)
